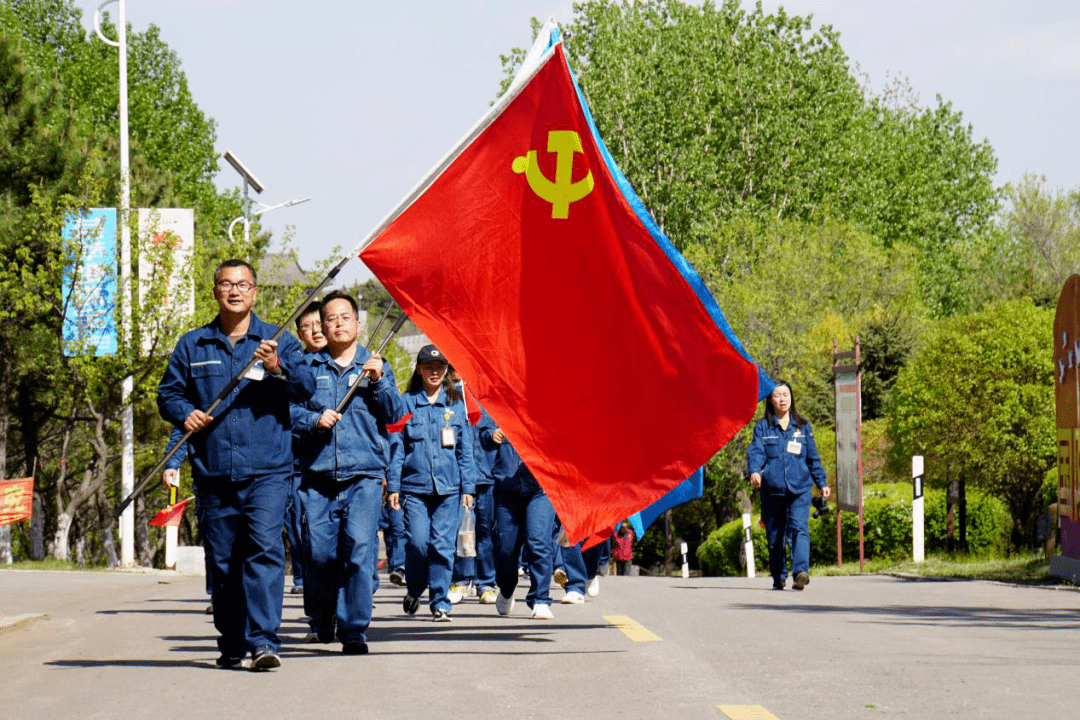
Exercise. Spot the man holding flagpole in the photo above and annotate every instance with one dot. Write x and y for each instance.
(241, 459)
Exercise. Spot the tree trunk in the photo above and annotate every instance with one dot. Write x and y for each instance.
(37, 529)
(107, 529)
(60, 545)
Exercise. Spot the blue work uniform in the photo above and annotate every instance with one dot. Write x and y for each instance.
(343, 469)
(481, 569)
(790, 466)
(524, 518)
(431, 478)
(242, 464)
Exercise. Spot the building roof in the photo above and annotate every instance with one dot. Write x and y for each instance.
(282, 269)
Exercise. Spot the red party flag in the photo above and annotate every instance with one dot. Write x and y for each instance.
(528, 259)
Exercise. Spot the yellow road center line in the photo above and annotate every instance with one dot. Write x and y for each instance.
(631, 628)
(747, 712)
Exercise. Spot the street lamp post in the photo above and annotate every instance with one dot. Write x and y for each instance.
(127, 424)
(250, 182)
(246, 217)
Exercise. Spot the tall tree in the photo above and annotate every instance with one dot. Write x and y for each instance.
(977, 400)
(716, 111)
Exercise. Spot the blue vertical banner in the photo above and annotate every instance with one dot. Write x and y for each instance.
(89, 291)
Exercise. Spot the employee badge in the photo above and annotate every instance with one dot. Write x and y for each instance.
(449, 438)
(256, 372)
(794, 447)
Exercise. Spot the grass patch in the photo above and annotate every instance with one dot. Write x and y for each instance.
(1024, 569)
(51, 564)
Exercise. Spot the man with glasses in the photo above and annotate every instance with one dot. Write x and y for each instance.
(343, 457)
(241, 459)
(309, 330)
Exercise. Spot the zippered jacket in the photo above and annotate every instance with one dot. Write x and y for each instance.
(358, 443)
(788, 460)
(251, 433)
(419, 462)
(508, 469)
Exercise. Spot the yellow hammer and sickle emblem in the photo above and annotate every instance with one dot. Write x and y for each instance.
(562, 192)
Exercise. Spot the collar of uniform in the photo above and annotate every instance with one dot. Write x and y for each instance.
(257, 329)
(322, 357)
(422, 398)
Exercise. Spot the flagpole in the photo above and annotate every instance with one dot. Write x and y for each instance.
(141, 486)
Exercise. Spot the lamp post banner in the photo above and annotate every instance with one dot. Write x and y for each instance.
(162, 230)
(847, 441)
(89, 291)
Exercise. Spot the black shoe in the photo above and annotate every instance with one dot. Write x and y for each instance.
(801, 581)
(296, 590)
(209, 609)
(230, 662)
(354, 647)
(397, 577)
(325, 634)
(410, 604)
(778, 586)
(265, 659)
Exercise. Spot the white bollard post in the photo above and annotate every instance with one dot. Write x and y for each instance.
(685, 564)
(748, 542)
(172, 540)
(917, 512)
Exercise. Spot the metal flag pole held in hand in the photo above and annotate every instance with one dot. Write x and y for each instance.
(141, 486)
(365, 380)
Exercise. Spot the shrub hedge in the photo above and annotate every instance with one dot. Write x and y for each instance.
(886, 530)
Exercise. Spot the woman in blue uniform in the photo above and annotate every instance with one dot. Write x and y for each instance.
(431, 474)
(783, 462)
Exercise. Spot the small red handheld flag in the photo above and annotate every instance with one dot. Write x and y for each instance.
(169, 516)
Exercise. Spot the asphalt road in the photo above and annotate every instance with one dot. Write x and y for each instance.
(134, 645)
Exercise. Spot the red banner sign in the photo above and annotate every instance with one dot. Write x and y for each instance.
(16, 500)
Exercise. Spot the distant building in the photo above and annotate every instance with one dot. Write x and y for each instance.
(283, 270)
(411, 344)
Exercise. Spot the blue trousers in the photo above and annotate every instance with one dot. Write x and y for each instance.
(580, 566)
(242, 535)
(480, 569)
(787, 524)
(431, 524)
(294, 528)
(392, 523)
(343, 524)
(524, 521)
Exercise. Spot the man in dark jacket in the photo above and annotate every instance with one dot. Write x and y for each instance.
(241, 459)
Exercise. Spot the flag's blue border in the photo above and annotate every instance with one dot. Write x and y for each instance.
(765, 384)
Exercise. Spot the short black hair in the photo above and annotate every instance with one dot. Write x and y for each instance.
(339, 295)
(235, 262)
(313, 307)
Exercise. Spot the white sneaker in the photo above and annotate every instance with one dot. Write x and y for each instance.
(455, 593)
(593, 588)
(573, 598)
(542, 612)
(504, 604)
(487, 597)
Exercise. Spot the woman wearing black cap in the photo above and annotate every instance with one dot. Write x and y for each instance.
(431, 474)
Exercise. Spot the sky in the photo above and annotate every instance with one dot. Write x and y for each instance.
(352, 103)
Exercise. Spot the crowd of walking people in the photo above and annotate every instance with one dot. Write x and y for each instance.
(317, 442)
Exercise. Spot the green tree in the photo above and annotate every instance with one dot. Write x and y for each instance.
(714, 112)
(1036, 247)
(977, 401)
